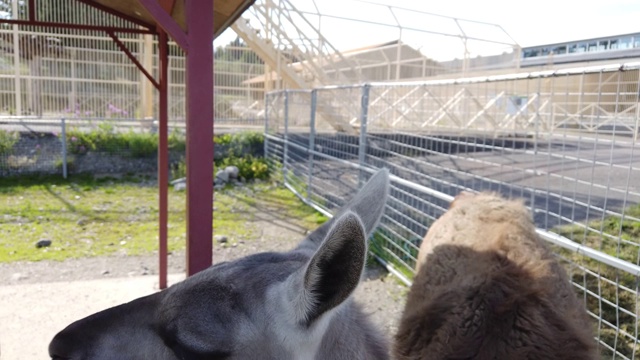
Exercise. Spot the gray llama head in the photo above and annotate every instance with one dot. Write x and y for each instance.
(293, 305)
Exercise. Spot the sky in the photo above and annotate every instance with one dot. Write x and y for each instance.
(543, 21)
(528, 23)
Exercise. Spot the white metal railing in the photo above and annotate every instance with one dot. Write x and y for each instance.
(88, 77)
(582, 100)
(578, 174)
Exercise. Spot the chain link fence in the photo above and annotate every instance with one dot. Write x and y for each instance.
(97, 146)
(565, 141)
(33, 145)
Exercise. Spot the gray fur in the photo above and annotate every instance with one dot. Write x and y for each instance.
(293, 305)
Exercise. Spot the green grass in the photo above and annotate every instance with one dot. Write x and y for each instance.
(623, 244)
(83, 217)
(236, 209)
(86, 217)
(401, 256)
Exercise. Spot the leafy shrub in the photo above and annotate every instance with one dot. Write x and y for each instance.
(179, 169)
(141, 145)
(250, 167)
(177, 141)
(106, 139)
(79, 142)
(223, 139)
(7, 140)
(238, 145)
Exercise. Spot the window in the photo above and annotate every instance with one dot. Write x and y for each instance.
(613, 44)
(531, 53)
(593, 46)
(625, 42)
(558, 50)
(603, 45)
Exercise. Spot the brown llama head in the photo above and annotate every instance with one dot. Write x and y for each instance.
(487, 287)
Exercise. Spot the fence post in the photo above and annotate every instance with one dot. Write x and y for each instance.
(285, 156)
(16, 60)
(312, 139)
(636, 133)
(362, 148)
(265, 141)
(64, 147)
(537, 117)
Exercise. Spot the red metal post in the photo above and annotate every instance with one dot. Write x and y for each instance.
(32, 10)
(199, 82)
(163, 155)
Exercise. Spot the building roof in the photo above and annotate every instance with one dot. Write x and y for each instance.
(225, 12)
(582, 40)
(381, 54)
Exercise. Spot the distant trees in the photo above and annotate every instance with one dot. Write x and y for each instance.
(237, 51)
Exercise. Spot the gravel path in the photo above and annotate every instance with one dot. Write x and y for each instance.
(40, 298)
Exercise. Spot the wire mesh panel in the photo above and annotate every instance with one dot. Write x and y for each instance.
(297, 116)
(54, 72)
(238, 94)
(75, 72)
(274, 128)
(22, 153)
(64, 146)
(566, 142)
(334, 174)
(334, 108)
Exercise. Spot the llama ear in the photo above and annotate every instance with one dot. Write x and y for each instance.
(335, 269)
(368, 204)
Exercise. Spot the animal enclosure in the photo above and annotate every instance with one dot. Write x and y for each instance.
(84, 76)
(566, 141)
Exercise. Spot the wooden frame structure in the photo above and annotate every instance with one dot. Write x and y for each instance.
(193, 25)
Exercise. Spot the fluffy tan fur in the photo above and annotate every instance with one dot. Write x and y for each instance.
(487, 287)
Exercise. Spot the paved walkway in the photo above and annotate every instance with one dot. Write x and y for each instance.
(31, 314)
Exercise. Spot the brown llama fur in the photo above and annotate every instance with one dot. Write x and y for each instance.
(487, 287)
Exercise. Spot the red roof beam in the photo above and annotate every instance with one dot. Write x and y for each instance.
(166, 22)
(168, 5)
(117, 13)
(133, 59)
(78, 26)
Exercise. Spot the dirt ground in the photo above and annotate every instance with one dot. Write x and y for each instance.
(57, 291)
